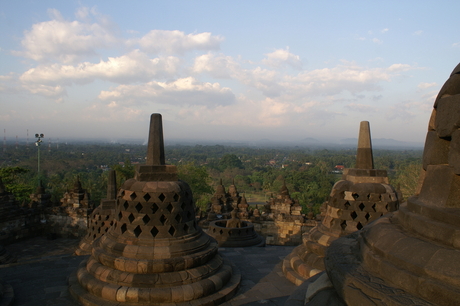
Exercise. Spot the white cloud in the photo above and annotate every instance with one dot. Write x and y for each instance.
(418, 33)
(362, 108)
(65, 41)
(377, 41)
(132, 67)
(282, 57)
(399, 67)
(177, 42)
(185, 91)
(384, 30)
(426, 85)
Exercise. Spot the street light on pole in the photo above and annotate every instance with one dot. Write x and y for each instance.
(38, 143)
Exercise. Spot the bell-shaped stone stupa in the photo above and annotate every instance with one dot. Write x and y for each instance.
(362, 196)
(410, 257)
(155, 254)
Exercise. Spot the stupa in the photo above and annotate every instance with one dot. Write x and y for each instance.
(360, 197)
(234, 233)
(410, 257)
(155, 254)
(101, 219)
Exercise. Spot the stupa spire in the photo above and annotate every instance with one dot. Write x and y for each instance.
(112, 186)
(364, 158)
(156, 148)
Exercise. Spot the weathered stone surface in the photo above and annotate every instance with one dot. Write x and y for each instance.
(436, 150)
(441, 187)
(448, 116)
(454, 152)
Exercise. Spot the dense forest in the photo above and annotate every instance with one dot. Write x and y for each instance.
(257, 172)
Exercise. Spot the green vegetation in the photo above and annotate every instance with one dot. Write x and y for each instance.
(257, 172)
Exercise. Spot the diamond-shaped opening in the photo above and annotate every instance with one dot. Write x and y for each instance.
(367, 216)
(169, 207)
(230, 233)
(172, 230)
(163, 219)
(347, 204)
(373, 207)
(146, 219)
(133, 196)
(131, 218)
(107, 217)
(123, 228)
(99, 230)
(94, 236)
(221, 232)
(353, 215)
(106, 229)
(361, 206)
(154, 208)
(111, 223)
(178, 218)
(189, 215)
(186, 228)
(120, 215)
(176, 197)
(126, 205)
(139, 207)
(162, 197)
(386, 207)
(183, 205)
(137, 231)
(343, 224)
(122, 193)
(355, 195)
(147, 197)
(359, 226)
(154, 231)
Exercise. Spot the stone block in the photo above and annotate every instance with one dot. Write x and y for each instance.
(454, 152)
(441, 187)
(436, 150)
(432, 122)
(448, 116)
(450, 88)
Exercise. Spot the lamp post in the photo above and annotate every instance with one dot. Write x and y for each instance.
(38, 143)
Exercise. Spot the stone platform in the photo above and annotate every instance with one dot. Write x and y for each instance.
(41, 273)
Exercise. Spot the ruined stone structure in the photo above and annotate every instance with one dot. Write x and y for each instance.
(70, 219)
(155, 253)
(222, 202)
(362, 196)
(40, 199)
(410, 257)
(77, 198)
(101, 219)
(283, 207)
(235, 233)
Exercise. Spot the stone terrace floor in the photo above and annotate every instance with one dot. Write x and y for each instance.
(40, 275)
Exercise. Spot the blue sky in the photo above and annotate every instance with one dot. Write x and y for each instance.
(224, 70)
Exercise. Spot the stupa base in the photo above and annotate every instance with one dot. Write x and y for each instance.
(224, 294)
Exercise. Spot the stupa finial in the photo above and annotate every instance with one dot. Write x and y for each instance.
(364, 158)
(156, 148)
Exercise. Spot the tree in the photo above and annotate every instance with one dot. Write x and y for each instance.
(199, 181)
(230, 161)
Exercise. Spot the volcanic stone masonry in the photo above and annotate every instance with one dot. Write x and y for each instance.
(101, 219)
(410, 257)
(362, 196)
(155, 253)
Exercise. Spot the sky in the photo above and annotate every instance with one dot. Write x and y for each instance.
(224, 70)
